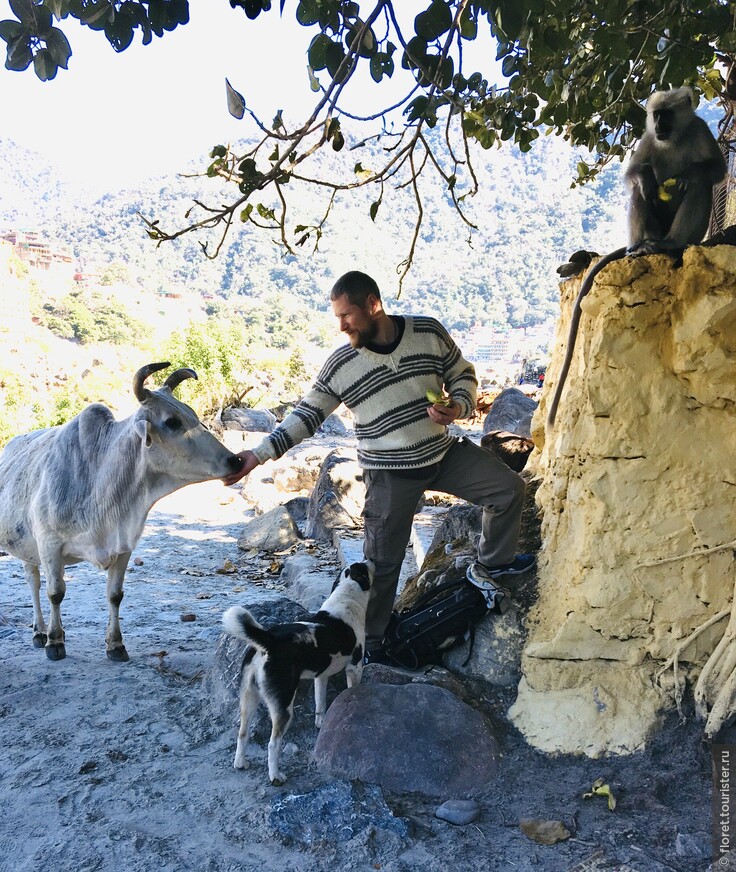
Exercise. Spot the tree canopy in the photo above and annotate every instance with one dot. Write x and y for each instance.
(579, 69)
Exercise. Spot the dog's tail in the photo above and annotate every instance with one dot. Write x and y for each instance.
(240, 623)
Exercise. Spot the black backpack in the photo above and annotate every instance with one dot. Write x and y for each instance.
(439, 620)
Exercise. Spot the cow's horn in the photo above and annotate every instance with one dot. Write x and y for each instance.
(178, 376)
(140, 377)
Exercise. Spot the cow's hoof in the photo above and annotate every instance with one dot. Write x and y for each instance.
(39, 640)
(118, 655)
(55, 650)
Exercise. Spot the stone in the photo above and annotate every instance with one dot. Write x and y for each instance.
(333, 425)
(221, 683)
(512, 449)
(273, 531)
(307, 582)
(333, 814)
(338, 497)
(298, 507)
(249, 420)
(511, 412)
(637, 529)
(458, 811)
(458, 752)
(496, 652)
(693, 846)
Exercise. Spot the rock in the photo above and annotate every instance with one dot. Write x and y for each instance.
(273, 531)
(333, 814)
(249, 420)
(308, 583)
(457, 752)
(637, 553)
(221, 683)
(496, 651)
(512, 449)
(338, 497)
(292, 478)
(693, 846)
(511, 412)
(298, 507)
(544, 832)
(458, 811)
(333, 425)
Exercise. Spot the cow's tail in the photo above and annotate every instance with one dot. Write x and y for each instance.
(240, 623)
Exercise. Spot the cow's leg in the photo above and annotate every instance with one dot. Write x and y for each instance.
(114, 638)
(33, 580)
(53, 569)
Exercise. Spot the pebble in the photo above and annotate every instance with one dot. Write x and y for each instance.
(458, 811)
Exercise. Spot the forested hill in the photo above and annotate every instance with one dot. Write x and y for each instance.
(502, 274)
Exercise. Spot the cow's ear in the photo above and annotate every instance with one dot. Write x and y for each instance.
(143, 429)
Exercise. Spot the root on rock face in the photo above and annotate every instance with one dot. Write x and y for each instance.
(715, 689)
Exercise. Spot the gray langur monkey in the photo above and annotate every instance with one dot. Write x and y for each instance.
(670, 178)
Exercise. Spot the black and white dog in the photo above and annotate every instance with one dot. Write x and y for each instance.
(278, 657)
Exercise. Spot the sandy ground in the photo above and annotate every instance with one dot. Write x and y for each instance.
(121, 767)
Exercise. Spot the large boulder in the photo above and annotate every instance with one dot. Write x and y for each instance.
(249, 420)
(512, 412)
(407, 738)
(338, 497)
(273, 531)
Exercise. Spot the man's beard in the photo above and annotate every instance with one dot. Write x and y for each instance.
(364, 337)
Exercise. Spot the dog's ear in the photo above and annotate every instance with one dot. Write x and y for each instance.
(344, 573)
(360, 573)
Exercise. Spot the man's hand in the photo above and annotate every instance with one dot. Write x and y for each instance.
(444, 414)
(250, 462)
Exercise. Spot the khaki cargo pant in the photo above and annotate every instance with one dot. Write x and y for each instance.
(466, 471)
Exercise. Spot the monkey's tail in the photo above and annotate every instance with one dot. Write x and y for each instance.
(573, 332)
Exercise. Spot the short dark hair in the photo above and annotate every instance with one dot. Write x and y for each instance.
(357, 286)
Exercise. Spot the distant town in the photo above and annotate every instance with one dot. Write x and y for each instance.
(500, 357)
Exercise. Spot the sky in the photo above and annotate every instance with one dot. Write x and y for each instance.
(115, 118)
(112, 119)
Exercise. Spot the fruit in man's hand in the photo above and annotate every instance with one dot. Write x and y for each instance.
(438, 399)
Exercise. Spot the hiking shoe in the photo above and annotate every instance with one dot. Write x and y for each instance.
(375, 653)
(479, 574)
(498, 598)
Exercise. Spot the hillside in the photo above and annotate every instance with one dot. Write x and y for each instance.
(502, 274)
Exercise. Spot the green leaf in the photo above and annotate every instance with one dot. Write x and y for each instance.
(10, 30)
(235, 101)
(44, 65)
(435, 21)
(317, 51)
(218, 151)
(277, 122)
(374, 209)
(265, 212)
(58, 45)
(335, 57)
(19, 54)
(313, 81)
(245, 214)
(307, 12)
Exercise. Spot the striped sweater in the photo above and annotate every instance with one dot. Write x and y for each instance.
(387, 395)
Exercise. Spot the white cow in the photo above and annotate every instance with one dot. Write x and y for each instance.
(83, 491)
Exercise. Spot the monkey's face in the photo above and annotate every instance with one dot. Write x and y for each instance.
(663, 121)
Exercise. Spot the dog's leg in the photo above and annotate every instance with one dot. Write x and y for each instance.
(320, 700)
(353, 673)
(280, 720)
(249, 699)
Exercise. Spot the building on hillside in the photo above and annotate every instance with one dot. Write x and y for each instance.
(15, 303)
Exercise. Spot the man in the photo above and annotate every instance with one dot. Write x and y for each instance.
(404, 448)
